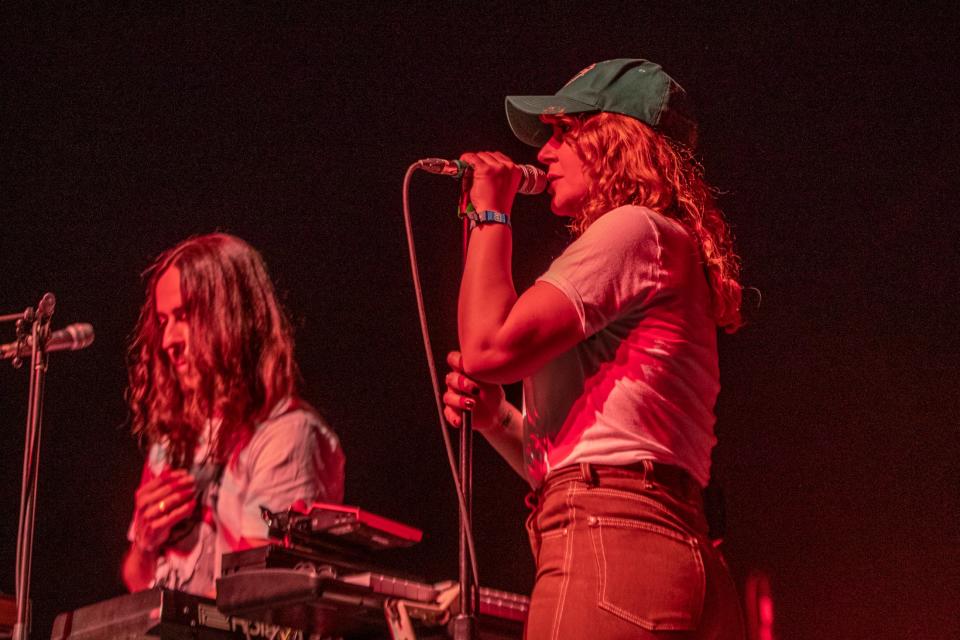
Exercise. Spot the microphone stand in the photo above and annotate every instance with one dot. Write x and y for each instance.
(40, 331)
(464, 624)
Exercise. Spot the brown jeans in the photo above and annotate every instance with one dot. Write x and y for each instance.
(622, 555)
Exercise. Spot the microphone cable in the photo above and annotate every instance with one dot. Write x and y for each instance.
(432, 366)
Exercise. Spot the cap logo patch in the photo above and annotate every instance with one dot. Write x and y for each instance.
(579, 75)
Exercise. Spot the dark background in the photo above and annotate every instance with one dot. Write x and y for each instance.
(831, 131)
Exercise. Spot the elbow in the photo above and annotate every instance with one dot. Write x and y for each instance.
(488, 364)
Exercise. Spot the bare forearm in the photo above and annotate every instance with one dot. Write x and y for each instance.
(506, 437)
(487, 293)
(138, 568)
(504, 338)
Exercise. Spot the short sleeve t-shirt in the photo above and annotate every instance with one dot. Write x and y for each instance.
(644, 381)
(293, 455)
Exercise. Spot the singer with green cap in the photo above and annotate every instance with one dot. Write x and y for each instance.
(616, 347)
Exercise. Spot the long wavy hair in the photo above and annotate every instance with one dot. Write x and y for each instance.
(241, 344)
(630, 163)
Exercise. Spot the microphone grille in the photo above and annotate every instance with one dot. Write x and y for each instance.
(81, 335)
(532, 180)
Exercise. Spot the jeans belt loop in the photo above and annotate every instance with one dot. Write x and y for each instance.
(588, 474)
(647, 473)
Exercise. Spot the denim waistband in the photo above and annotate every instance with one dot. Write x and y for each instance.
(671, 477)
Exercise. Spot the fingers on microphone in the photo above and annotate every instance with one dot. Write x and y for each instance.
(487, 162)
(146, 491)
(175, 515)
(501, 162)
(153, 531)
(161, 486)
(170, 504)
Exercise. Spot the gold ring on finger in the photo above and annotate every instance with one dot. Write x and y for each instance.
(162, 506)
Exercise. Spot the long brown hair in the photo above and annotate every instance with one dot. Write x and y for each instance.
(630, 163)
(240, 340)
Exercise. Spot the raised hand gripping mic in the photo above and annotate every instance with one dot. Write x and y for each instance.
(533, 180)
(70, 338)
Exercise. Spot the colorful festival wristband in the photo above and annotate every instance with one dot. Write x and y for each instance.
(483, 217)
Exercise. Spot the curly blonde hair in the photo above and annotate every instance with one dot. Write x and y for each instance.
(629, 163)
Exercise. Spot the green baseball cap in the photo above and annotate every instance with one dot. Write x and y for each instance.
(633, 87)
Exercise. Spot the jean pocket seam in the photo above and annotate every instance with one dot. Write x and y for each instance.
(624, 523)
(601, 561)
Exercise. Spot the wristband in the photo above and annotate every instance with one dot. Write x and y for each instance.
(483, 217)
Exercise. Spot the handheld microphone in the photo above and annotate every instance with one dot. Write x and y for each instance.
(533, 180)
(70, 338)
